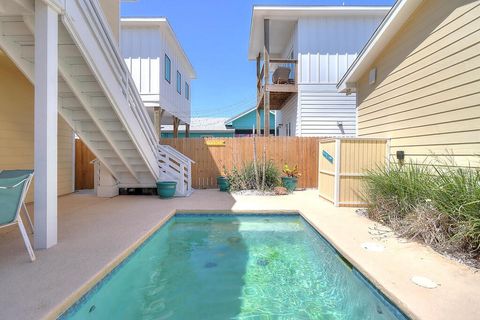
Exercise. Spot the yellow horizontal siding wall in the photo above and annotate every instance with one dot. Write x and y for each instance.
(426, 97)
(17, 132)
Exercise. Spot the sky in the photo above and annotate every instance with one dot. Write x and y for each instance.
(214, 35)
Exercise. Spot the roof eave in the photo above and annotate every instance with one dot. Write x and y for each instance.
(161, 21)
(390, 25)
(295, 12)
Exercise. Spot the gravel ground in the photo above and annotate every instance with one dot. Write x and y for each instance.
(253, 193)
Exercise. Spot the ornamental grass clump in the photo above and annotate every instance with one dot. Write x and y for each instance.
(457, 194)
(246, 177)
(396, 191)
(437, 204)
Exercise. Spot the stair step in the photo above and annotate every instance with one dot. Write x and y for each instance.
(64, 51)
(89, 78)
(126, 146)
(22, 39)
(74, 60)
(107, 125)
(79, 70)
(101, 102)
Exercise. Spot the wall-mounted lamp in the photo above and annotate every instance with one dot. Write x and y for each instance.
(340, 126)
(372, 76)
(401, 157)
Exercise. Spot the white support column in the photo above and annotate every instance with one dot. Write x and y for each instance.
(46, 115)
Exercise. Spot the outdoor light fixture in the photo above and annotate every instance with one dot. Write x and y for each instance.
(401, 156)
(340, 126)
(372, 76)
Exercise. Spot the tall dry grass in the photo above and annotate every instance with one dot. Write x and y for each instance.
(437, 204)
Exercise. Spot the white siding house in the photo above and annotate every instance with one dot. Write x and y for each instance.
(324, 41)
(160, 68)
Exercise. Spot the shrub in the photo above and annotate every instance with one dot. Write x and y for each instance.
(457, 194)
(246, 179)
(439, 205)
(396, 191)
(291, 172)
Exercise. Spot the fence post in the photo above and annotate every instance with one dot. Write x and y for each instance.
(189, 176)
(336, 193)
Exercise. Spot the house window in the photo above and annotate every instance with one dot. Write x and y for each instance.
(187, 91)
(168, 69)
(179, 82)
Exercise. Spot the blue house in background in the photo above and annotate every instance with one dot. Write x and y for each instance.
(243, 123)
(240, 125)
(202, 128)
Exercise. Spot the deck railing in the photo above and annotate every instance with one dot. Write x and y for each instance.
(266, 69)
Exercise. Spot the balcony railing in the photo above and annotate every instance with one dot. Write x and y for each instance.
(276, 75)
(279, 77)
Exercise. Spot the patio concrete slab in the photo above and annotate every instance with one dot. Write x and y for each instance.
(93, 232)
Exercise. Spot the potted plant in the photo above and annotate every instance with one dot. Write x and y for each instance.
(222, 181)
(166, 189)
(290, 180)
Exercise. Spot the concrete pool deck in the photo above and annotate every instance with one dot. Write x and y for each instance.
(93, 232)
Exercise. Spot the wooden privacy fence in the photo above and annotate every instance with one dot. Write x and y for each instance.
(343, 163)
(84, 168)
(212, 155)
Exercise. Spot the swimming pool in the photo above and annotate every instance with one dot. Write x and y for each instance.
(234, 266)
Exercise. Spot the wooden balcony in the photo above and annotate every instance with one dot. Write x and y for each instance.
(277, 78)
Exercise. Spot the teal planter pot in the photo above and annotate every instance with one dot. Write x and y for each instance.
(289, 183)
(166, 189)
(223, 183)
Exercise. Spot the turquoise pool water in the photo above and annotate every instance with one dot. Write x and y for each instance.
(234, 267)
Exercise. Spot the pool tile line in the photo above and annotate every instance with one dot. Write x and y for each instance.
(242, 214)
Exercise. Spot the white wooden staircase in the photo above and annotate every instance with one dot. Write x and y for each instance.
(96, 95)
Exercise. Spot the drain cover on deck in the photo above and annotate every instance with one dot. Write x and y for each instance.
(209, 265)
(424, 282)
(372, 246)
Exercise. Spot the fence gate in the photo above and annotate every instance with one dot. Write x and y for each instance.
(84, 169)
(342, 164)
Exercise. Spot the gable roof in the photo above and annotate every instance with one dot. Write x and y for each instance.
(204, 125)
(229, 122)
(291, 14)
(392, 23)
(162, 22)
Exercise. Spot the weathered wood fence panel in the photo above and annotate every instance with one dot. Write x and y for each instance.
(210, 160)
(84, 169)
(343, 163)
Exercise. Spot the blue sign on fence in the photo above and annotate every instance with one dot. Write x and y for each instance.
(327, 156)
